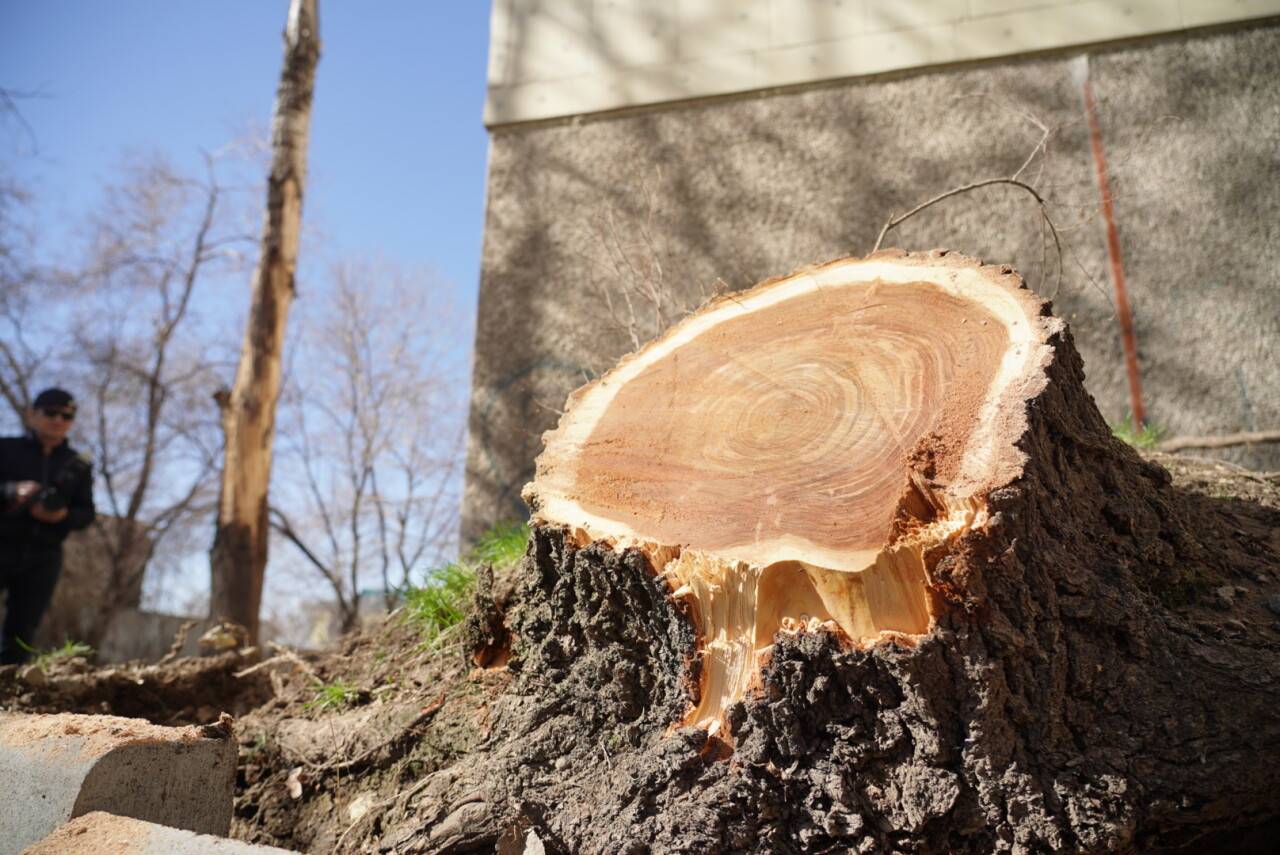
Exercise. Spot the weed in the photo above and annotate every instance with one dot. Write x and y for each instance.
(261, 745)
(333, 695)
(444, 597)
(69, 650)
(1148, 436)
(502, 546)
(442, 601)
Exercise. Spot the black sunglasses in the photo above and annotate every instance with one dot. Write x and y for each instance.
(65, 415)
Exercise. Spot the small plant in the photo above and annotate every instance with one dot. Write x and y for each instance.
(502, 546)
(69, 650)
(261, 744)
(442, 601)
(1148, 436)
(333, 695)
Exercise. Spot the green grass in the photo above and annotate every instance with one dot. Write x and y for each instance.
(442, 601)
(261, 745)
(444, 597)
(1148, 436)
(333, 695)
(502, 546)
(69, 650)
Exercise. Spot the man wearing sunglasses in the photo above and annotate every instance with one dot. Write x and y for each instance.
(46, 492)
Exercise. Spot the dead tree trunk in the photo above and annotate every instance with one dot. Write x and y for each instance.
(239, 556)
(850, 562)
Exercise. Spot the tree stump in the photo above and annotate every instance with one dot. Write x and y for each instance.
(851, 562)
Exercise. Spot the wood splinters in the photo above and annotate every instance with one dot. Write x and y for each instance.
(792, 458)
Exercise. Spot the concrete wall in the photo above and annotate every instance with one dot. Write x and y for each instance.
(568, 57)
(586, 211)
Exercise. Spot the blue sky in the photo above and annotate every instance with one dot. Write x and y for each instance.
(398, 150)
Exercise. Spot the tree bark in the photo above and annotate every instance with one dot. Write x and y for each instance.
(239, 555)
(859, 567)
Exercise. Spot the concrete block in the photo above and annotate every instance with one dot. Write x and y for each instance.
(99, 832)
(58, 767)
(824, 60)
(1063, 26)
(552, 42)
(792, 23)
(995, 7)
(711, 28)
(1198, 13)
(631, 34)
(885, 15)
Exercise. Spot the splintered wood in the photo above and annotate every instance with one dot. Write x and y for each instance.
(799, 456)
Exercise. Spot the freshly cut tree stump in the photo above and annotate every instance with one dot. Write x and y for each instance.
(792, 456)
(850, 562)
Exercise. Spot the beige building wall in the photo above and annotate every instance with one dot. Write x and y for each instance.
(612, 161)
(554, 58)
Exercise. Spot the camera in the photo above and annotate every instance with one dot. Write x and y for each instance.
(57, 495)
(51, 499)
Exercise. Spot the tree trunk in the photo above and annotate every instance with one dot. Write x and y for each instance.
(239, 555)
(851, 562)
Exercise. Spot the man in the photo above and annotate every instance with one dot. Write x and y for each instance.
(46, 492)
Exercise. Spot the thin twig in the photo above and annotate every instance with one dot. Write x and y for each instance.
(426, 714)
(283, 652)
(895, 221)
(253, 669)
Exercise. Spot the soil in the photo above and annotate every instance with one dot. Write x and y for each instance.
(570, 739)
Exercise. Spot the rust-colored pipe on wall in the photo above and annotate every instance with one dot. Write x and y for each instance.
(1127, 337)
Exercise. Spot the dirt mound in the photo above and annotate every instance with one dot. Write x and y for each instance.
(573, 738)
(342, 743)
(392, 744)
(186, 691)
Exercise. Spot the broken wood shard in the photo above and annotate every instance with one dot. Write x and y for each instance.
(800, 455)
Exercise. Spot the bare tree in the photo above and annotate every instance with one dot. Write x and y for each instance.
(238, 559)
(143, 363)
(374, 439)
(21, 351)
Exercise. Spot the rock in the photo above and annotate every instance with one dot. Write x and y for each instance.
(101, 832)
(33, 675)
(223, 637)
(58, 767)
(1273, 603)
(533, 844)
(297, 777)
(359, 807)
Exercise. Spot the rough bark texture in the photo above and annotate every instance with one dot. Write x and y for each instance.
(239, 556)
(1085, 690)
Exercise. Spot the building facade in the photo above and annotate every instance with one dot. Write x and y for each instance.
(645, 155)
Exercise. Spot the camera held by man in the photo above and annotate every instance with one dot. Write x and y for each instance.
(46, 492)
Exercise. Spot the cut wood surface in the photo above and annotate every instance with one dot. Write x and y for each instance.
(759, 452)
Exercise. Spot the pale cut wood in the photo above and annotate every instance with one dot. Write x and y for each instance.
(238, 558)
(786, 457)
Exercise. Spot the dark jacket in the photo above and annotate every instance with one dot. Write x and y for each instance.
(22, 459)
